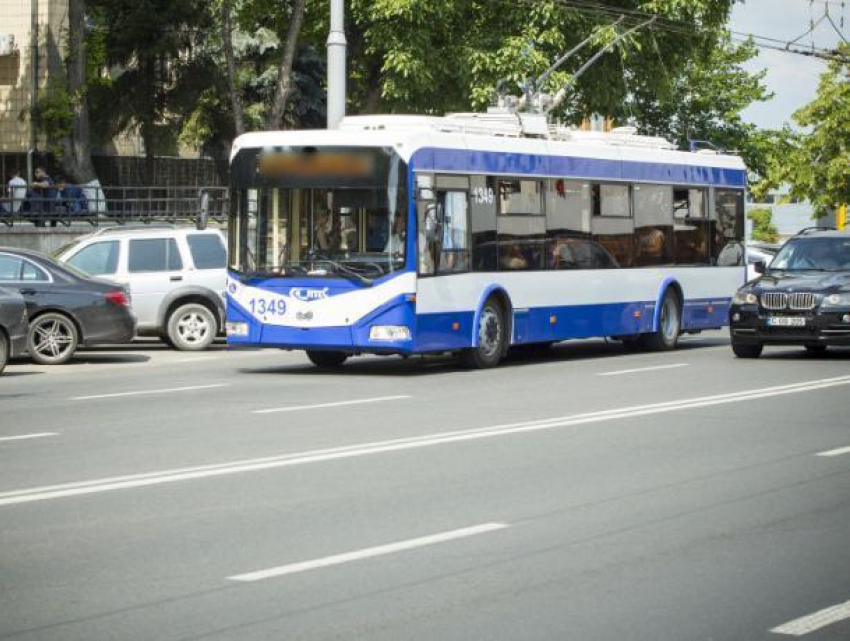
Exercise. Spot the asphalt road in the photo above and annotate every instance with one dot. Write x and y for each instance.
(589, 494)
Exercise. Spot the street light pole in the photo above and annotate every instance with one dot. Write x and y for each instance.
(336, 65)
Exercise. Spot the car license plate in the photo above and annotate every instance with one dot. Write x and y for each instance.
(786, 321)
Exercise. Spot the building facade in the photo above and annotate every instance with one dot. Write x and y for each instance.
(17, 63)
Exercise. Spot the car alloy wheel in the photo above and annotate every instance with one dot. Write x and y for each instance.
(192, 327)
(52, 339)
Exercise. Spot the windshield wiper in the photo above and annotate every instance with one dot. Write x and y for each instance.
(343, 270)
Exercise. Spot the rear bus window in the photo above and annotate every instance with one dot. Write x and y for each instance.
(207, 251)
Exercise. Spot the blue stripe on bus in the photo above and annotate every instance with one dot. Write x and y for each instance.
(489, 162)
(435, 331)
(450, 331)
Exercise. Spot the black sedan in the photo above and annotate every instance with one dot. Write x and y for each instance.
(13, 326)
(66, 308)
(803, 298)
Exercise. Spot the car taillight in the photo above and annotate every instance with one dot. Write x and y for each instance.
(118, 297)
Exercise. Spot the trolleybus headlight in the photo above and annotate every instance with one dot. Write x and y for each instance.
(836, 300)
(236, 329)
(389, 333)
(745, 298)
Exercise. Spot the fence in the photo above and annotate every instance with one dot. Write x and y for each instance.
(114, 205)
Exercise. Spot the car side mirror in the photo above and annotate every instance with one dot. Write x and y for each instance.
(760, 266)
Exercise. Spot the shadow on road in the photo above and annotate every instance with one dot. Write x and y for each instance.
(799, 354)
(565, 352)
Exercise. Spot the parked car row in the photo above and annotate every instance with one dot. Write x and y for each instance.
(110, 286)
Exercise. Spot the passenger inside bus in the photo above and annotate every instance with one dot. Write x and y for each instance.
(513, 258)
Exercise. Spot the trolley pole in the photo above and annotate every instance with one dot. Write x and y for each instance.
(336, 65)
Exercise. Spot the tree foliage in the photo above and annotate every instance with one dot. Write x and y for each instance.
(704, 103)
(815, 162)
(422, 56)
(763, 228)
(175, 79)
(147, 46)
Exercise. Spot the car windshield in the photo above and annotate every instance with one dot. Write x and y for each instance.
(295, 222)
(828, 254)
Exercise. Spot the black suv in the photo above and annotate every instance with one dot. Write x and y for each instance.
(802, 298)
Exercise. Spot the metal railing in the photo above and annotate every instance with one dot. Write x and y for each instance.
(115, 205)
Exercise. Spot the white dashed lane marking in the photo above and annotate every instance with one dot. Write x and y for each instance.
(836, 452)
(643, 369)
(812, 622)
(170, 390)
(24, 437)
(359, 401)
(367, 553)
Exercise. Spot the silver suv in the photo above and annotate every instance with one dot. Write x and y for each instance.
(176, 277)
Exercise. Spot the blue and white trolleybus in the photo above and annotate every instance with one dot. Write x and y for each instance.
(472, 233)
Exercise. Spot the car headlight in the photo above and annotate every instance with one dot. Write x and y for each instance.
(744, 298)
(836, 300)
(389, 333)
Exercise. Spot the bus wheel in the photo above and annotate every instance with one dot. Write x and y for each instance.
(492, 332)
(669, 325)
(326, 359)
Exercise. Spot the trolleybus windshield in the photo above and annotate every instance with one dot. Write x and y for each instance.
(318, 211)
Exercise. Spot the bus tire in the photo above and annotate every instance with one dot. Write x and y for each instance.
(746, 350)
(326, 359)
(669, 325)
(492, 336)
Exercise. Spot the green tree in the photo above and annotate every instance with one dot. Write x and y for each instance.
(148, 44)
(422, 56)
(815, 162)
(237, 77)
(704, 102)
(763, 228)
(76, 144)
(63, 109)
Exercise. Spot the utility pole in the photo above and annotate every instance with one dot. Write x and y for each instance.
(336, 65)
(33, 87)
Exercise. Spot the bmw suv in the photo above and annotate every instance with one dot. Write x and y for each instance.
(803, 298)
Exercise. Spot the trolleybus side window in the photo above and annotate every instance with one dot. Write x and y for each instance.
(568, 209)
(613, 226)
(653, 206)
(443, 214)
(521, 225)
(483, 223)
(727, 221)
(690, 226)
(454, 249)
